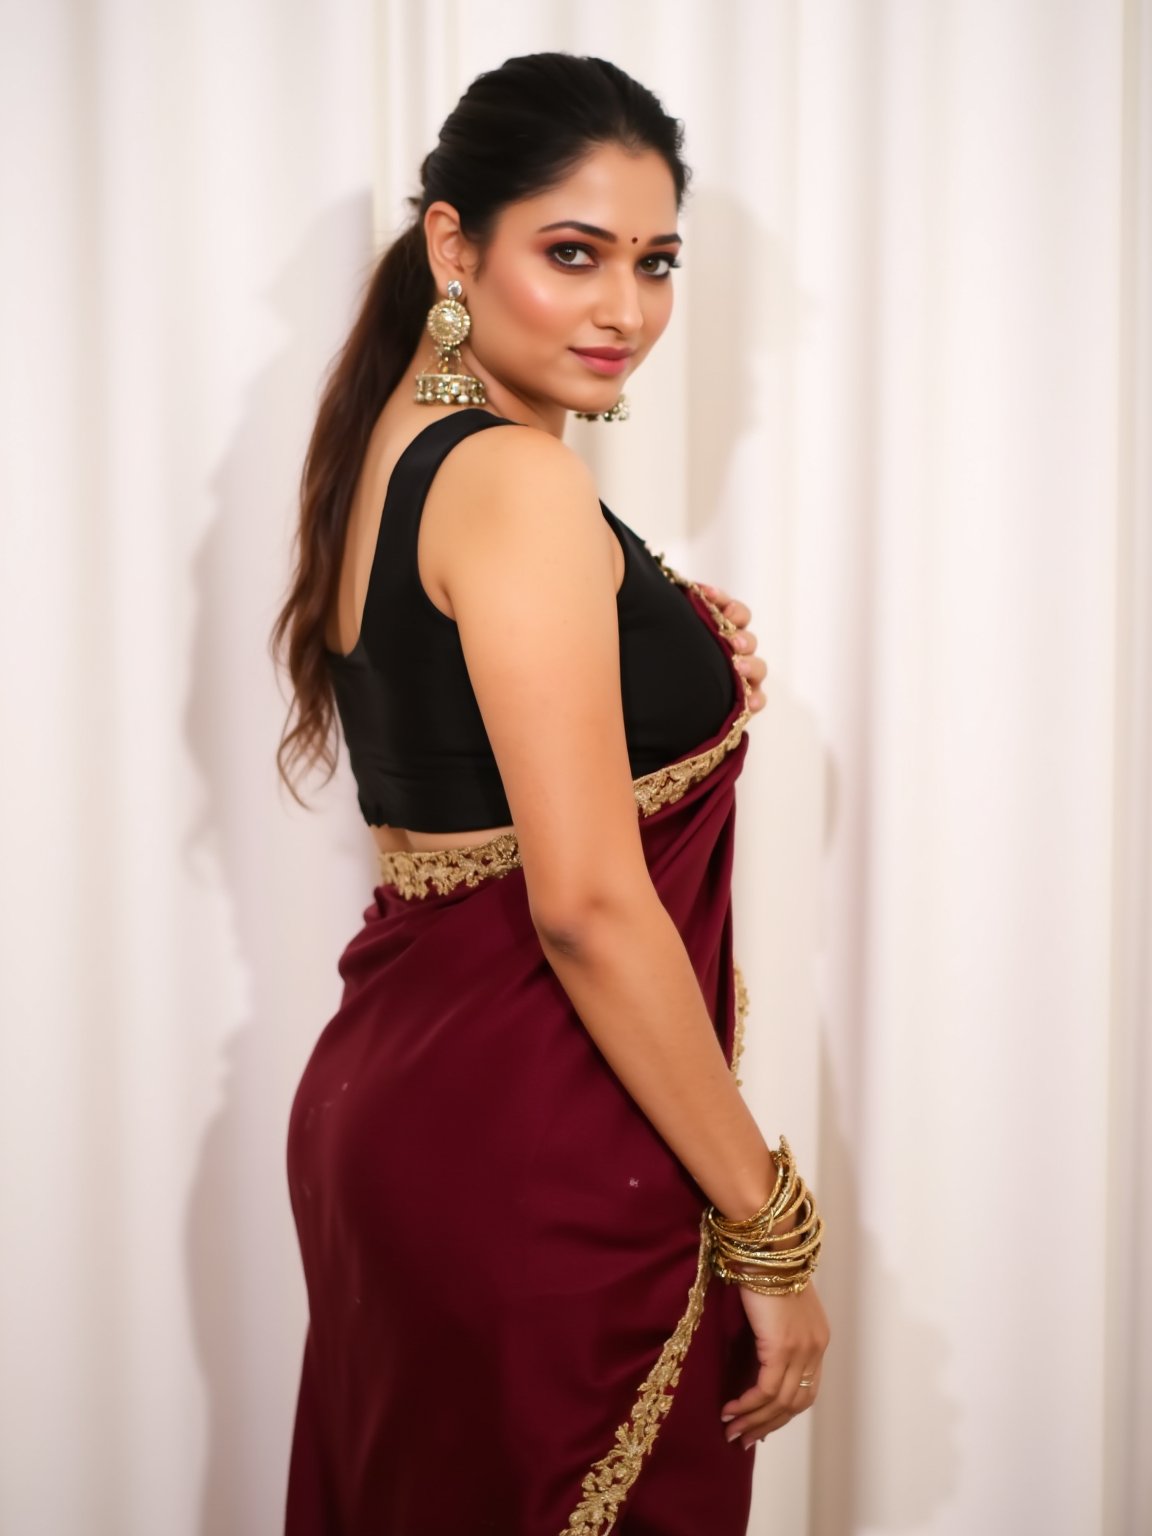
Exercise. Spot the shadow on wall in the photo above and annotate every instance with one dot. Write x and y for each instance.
(752, 309)
(886, 1365)
(295, 903)
(885, 1373)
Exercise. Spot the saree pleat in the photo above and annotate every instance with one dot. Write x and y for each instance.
(512, 1330)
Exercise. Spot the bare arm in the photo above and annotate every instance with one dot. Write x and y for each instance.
(515, 535)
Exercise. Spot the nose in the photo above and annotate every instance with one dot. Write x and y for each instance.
(618, 305)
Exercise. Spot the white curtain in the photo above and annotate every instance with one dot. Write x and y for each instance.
(185, 215)
(904, 410)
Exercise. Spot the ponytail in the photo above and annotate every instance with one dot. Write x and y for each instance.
(363, 375)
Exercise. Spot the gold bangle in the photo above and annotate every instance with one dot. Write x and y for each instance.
(781, 1194)
(768, 1267)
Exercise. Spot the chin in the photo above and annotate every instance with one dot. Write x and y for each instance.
(604, 398)
(604, 402)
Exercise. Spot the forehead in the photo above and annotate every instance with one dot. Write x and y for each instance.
(632, 195)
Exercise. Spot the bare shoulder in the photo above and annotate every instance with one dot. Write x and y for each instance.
(517, 499)
(512, 464)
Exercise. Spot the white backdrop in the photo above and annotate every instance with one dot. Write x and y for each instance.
(904, 409)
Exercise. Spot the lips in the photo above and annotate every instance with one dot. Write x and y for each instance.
(607, 361)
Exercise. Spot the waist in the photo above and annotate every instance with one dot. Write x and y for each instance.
(415, 872)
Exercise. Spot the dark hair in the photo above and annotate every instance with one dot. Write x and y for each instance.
(515, 132)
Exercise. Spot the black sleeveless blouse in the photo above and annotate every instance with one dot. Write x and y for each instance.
(416, 740)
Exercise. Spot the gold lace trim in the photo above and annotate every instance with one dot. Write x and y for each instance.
(606, 1486)
(664, 786)
(443, 869)
(741, 1017)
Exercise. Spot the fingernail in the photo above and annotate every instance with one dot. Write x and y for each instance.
(726, 1418)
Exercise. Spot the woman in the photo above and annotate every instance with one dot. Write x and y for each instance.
(518, 1154)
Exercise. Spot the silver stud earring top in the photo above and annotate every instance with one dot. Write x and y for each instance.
(455, 291)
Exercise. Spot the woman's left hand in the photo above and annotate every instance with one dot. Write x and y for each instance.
(743, 642)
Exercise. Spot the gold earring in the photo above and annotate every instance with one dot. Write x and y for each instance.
(448, 324)
(617, 412)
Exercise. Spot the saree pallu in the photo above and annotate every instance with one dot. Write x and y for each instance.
(511, 1326)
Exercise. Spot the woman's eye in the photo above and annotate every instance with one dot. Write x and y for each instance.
(668, 263)
(564, 253)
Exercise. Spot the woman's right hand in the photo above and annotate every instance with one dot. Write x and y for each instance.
(792, 1334)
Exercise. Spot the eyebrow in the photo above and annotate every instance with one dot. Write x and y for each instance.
(606, 234)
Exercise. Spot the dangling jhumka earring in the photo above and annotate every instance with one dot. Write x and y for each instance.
(448, 324)
(617, 412)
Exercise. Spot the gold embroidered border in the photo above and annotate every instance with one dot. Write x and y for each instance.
(606, 1486)
(664, 786)
(741, 1017)
(443, 869)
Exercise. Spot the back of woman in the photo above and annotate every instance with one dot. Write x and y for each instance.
(518, 1155)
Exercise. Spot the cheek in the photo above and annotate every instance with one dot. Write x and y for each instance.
(534, 300)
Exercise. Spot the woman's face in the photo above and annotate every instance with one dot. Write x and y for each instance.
(580, 270)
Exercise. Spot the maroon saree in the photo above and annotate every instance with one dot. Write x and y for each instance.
(512, 1330)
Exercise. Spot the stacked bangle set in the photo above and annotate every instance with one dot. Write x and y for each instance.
(749, 1253)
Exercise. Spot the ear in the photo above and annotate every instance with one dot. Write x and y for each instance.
(450, 253)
